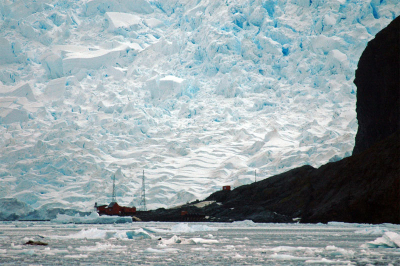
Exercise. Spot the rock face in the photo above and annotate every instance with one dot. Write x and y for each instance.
(363, 188)
(378, 88)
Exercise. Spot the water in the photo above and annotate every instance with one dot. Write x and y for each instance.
(243, 243)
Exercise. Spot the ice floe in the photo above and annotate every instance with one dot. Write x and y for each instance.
(93, 218)
(388, 240)
(186, 228)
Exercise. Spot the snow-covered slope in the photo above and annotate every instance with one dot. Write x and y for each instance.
(200, 94)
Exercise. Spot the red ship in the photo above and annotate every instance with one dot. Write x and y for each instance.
(113, 208)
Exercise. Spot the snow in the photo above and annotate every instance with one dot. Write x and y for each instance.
(199, 94)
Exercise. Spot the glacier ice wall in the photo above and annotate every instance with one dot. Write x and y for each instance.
(200, 94)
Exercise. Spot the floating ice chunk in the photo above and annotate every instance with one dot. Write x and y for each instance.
(326, 261)
(173, 240)
(92, 233)
(245, 223)
(162, 251)
(198, 240)
(139, 234)
(242, 238)
(101, 247)
(78, 256)
(192, 241)
(372, 231)
(123, 20)
(185, 228)
(238, 256)
(93, 218)
(276, 256)
(388, 240)
(335, 251)
(286, 249)
(27, 252)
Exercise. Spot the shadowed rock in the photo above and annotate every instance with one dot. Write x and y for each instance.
(378, 88)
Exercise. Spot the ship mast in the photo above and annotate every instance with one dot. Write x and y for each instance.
(113, 193)
(143, 195)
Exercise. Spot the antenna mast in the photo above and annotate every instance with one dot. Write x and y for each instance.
(143, 195)
(113, 194)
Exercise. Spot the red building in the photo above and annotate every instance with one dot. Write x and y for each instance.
(114, 209)
(226, 188)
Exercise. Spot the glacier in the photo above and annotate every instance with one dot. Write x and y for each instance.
(199, 94)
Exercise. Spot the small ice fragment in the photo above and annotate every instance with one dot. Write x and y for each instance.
(79, 256)
(371, 231)
(139, 234)
(203, 241)
(185, 228)
(326, 261)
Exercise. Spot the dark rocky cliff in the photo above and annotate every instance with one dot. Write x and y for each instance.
(378, 88)
(364, 188)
